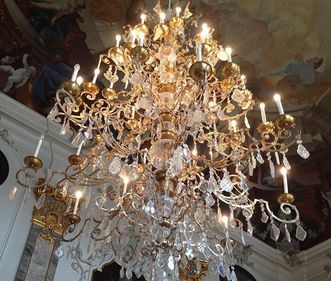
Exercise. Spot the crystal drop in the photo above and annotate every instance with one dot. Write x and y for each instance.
(259, 158)
(300, 233)
(243, 238)
(248, 126)
(59, 252)
(12, 193)
(277, 158)
(272, 169)
(88, 133)
(238, 96)
(128, 273)
(210, 199)
(77, 140)
(40, 201)
(122, 273)
(149, 208)
(264, 217)
(226, 183)
(228, 246)
(220, 114)
(274, 232)
(212, 184)
(233, 276)
(253, 161)
(287, 234)
(250, 168)
(115, 166)
(286, 163)
(250, 228)
(171, 263)
(221, 270)
(65, 128)
(302, 151)
(53, 113)
(206, 95)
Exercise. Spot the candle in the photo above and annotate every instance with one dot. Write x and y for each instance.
(228, 51)
(233, 125)
(79, 80)
(96, 73)
(205, 28)
(141, 38)
(262, 108)
(133, 112)
(79, 195)
(118, 40)
(195, 150)
(283, 170)
(79, 149)
(143, 18)
(41, 138)
(199, 52)
(75, 73)
(279, 104)
(134, 36)
(225, 221)
(126, 181)
(178, 10)
(162, 17)
(203, 36)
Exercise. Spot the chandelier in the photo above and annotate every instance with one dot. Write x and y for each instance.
(164, 151)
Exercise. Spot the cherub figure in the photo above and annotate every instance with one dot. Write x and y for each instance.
(18, 77)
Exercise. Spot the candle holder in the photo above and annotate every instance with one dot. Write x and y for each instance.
(161, 29)
(285, 198)
(141, 28)
(117, 55)
(73, 218)
(285, 122)
(109, 93)
(200, 71)
(91, 88)
(140, 53)
(33, 162)
(75, 159)
(176, 23)
(72, 87)
(266, 127)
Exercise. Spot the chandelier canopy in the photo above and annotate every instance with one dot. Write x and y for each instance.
(164, 151)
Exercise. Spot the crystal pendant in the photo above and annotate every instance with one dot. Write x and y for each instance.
(65, 128)
(12, 193)
(243, 241)
(286, 163)
(248, 126)
(221, 270)
(226, 183)
(115, 166)
(212, 184)
(253, 160)
(52, 114)
(233, 275)
(122, 273)
(59, 252)
(149, 208)
(259, 158)
(302, 151)
(88, 133)
(210, 199)
(128, 273)
(77, 139)
(287, 234)
(264, 217)
(272, 169)
(274, 232)
(228, 245)
(250, 228)
(300, 233)
(41, 201)
(277, 158)
(171, 263)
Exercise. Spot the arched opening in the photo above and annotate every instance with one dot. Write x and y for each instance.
(111, 272)
(242, 275)
(4, 168)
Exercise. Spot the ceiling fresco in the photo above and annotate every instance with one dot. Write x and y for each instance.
(281, 46)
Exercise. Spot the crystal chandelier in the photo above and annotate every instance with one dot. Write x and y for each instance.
(163, 152)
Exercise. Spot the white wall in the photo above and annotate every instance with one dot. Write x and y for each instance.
(24, 127)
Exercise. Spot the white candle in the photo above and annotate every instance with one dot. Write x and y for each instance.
(79, 195)
(233, 125)
(79, 149)
(283, 170)
(162, 17)
(143, 18)
(228, 51)
(126, 181)
(203, 36)
(225, 221)
(178, 10)
(263, 116)
(41, 138)
(118, 40)
(133, 112)
(96, 73)
(75, 73)
(199, 52)
(279, 104)
(141, 38)
(134, 36)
